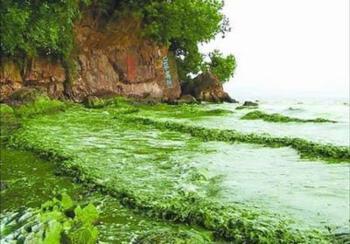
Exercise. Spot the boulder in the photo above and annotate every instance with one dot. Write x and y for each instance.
(187, 99)
(25, 95)
(206, 87)
(94, 102)
(250, 104)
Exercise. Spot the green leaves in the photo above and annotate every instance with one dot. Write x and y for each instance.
(222, 67)
(77, 228)
(183, 25)
(86, 215)
(41, 27)
(66, 201)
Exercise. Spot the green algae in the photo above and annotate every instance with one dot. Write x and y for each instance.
(185, 111)
(11, 118)
(8, 122)
(6, 109)
(279, 118)
(305, 148)
(61, 220)
(104, 148)
(165, 237)
(32, 181)
(41, 105)
(22, 170)
(110, 153)
(246, 107)
(121, 105)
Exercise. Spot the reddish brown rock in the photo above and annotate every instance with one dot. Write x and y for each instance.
(10, 78)
(47, 74)
(114, 59)
(206, 87)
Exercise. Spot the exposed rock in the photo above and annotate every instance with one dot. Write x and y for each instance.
(206, 87)
(148, 99)
(250, 104)
(184, 99)
(94, 102)
(47, 74)
(10, 78)
(115, 59)
(187, 99)
(25, 95)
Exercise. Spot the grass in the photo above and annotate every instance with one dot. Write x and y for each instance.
(279, 118)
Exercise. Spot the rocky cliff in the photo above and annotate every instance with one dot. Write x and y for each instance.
(113, 59)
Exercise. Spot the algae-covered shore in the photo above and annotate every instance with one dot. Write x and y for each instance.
(116, 128)
(150, 166)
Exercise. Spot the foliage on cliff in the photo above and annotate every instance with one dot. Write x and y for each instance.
(31, 28)
(222, 67)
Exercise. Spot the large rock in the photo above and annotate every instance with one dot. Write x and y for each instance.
(206, 87)
(114, 59)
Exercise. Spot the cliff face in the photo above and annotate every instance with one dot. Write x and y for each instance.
(115, 59)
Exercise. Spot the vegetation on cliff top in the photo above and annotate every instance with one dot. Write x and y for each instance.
(222, 67)
(31, 28)
(34, 28)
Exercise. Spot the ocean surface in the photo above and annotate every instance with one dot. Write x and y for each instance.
(313, 192)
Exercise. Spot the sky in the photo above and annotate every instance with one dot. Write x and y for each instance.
(287, 48)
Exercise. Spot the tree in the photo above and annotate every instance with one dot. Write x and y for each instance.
(183, 25)
(33, 28)
(221, 66)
